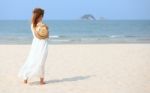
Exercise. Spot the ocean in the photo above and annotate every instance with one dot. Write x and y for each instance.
(78, 31)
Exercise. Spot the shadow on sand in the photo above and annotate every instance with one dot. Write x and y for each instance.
(70, 79)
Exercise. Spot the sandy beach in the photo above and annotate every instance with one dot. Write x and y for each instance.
(80, 68)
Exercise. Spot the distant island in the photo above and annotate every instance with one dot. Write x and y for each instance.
(88, 17)
(102, 18)
(91, 17)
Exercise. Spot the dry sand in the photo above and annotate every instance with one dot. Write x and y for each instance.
(95, 68)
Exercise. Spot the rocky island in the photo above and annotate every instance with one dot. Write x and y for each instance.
(88, 17)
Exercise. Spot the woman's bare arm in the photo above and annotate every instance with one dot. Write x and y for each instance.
(36, 34)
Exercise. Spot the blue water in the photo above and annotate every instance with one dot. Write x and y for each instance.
(78, 31)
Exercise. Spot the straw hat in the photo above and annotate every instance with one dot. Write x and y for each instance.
(43, 31)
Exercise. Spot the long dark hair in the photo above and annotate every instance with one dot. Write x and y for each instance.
(37, 13)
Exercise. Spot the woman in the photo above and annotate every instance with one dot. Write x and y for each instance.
(34, 65)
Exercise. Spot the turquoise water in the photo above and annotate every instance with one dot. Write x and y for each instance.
(77, 31)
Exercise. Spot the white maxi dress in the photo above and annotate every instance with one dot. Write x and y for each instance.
(35, 62)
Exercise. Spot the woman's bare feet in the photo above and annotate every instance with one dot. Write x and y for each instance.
(25, 81)
(42, 81)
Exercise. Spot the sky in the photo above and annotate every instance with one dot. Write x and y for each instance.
(74, 9)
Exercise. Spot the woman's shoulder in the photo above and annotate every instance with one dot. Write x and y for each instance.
(39, 25)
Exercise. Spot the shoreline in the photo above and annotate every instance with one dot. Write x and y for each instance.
(81, 43)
